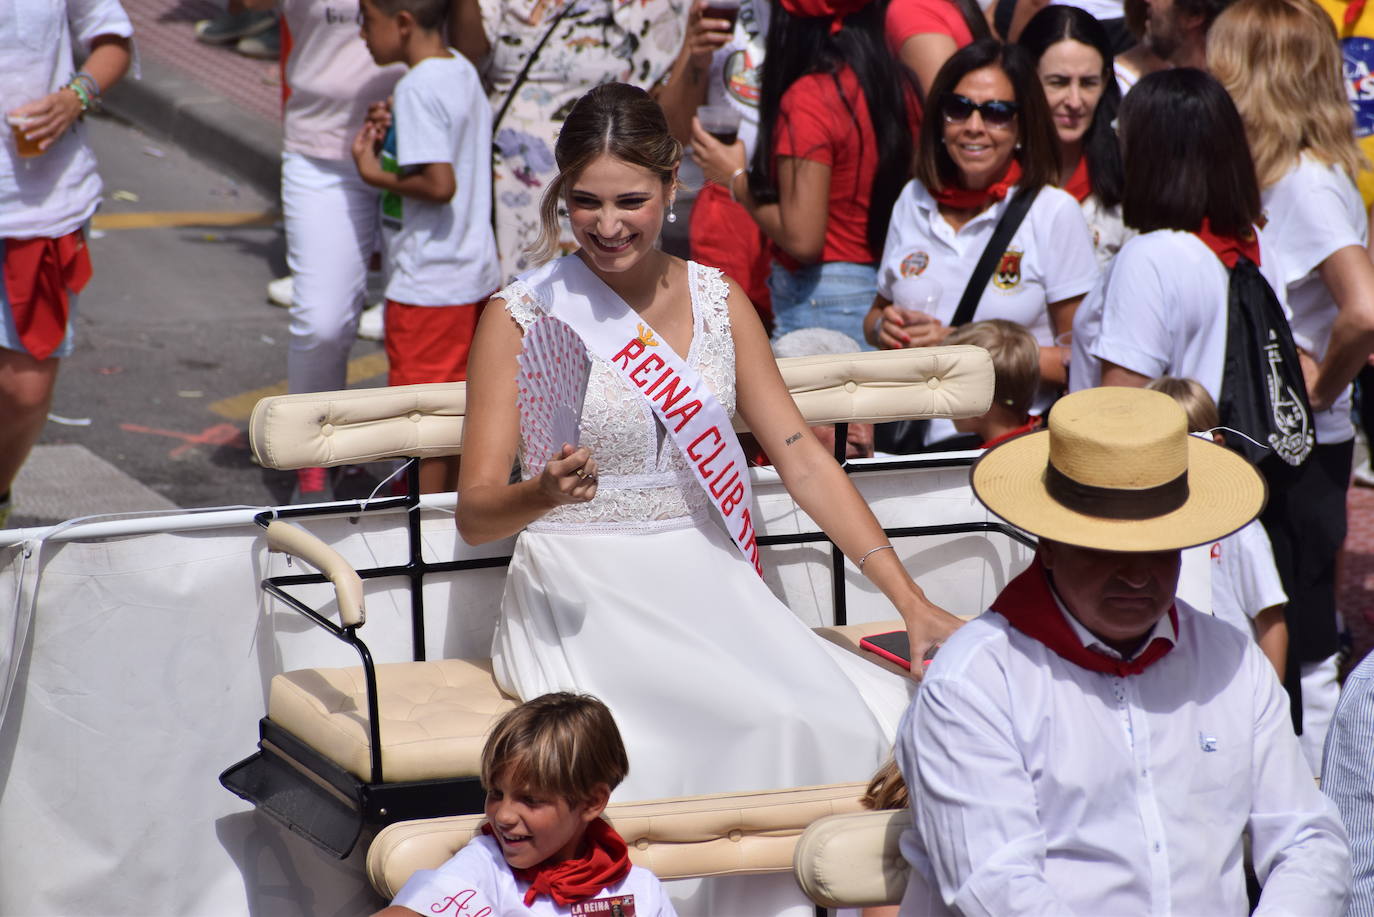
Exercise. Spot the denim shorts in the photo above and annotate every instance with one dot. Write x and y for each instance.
(834, 294)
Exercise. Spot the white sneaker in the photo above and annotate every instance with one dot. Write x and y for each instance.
(279, 291)
(371, 322)
(1363, 474)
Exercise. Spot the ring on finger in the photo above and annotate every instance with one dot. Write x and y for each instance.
(581, 473)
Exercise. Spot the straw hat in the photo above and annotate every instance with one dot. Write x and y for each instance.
(1117, 471)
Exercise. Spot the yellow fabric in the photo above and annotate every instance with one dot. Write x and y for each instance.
(1357, 48)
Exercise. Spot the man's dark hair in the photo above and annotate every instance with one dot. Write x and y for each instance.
(1209, 10)
(1186, 157)
(428, 14)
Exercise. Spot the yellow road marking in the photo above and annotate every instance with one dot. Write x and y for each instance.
(158, 219)
(240, 407)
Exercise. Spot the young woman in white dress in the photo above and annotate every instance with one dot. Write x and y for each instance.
(623, 584)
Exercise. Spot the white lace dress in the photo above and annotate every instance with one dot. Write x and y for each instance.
(639, 598)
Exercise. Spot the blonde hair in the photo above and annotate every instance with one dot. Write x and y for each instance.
(887, 789)
(1280, 60)
(1015, 360)
(616, 119)
(561, 744)
(1193, 398)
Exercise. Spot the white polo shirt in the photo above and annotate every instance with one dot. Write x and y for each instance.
(1050, 257)
(1314, 211)
(1039, 787)
(1161, 310)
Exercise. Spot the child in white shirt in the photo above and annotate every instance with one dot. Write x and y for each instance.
(434, 169)
(549, 768)
(1246, 591)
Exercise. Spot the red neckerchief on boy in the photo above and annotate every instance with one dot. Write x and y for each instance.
(1029, 605)
(605, 863)
(39, 276)
(1028, 427)
(1229, 248)
(966, 199)
(1079, 184)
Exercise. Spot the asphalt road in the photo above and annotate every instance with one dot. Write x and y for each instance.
(175, 342)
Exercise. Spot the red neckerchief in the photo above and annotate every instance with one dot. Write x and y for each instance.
(1352, 13)
(965, 199)
(1029, 605)
(1079, 185)
(605, 863)
(1011, 434)
(1229, 248)
(40, 275)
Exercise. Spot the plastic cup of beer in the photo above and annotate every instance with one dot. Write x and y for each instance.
(722, 9)
(19, 123)
(720, 121)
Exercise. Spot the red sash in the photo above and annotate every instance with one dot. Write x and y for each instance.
(1029, 605)
(1028, 427)
(40, 275)
(605, 863)
(977, 199)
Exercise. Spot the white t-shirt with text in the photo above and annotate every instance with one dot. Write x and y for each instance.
(476, 882)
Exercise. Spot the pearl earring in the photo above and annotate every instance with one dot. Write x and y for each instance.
(672, 217)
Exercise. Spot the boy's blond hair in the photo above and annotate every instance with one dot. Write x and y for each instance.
(1015, 360)
(561, 744)
(1193, 398)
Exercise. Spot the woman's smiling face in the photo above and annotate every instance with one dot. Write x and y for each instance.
(979, 150)
(616, 210)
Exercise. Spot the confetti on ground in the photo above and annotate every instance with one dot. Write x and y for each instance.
(122, 195)
(70, 421)
(153, 152)
(190, 393)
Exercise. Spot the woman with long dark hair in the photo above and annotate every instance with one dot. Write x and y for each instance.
(987, 140)
(836, 117)
(1073, 56)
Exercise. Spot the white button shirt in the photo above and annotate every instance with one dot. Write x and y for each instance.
(1039, 787)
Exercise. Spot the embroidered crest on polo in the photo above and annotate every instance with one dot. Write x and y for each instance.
(914, 264)
(1008, 273)
(1206, 742)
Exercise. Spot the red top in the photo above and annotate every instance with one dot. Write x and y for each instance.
(906, 18)
(814, 123)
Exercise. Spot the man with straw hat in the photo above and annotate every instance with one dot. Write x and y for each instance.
(1092, 745)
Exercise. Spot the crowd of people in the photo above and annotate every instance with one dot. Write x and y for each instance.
(1166, 198)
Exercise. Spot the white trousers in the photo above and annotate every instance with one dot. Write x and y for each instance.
(1320, 691)
(331, 219)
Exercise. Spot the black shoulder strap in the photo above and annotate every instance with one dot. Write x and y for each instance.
(529, 62)
(1001, 236)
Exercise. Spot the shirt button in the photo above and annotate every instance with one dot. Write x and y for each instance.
(1156, 846)
(1144, 772)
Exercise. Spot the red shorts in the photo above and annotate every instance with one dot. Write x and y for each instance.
(429, 343)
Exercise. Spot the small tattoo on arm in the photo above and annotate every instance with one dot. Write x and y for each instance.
(792, 439)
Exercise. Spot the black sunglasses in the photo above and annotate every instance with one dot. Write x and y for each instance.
(995, 112)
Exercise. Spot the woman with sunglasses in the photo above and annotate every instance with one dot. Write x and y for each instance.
(1280, 60)
(825, 171)
(1073, 56)
(987, 140)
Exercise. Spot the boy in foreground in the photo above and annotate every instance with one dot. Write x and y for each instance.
(549, 768)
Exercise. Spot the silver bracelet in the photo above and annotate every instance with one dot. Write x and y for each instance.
(730, 182)
(871, 551)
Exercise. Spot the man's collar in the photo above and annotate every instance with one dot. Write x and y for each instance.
(1164, 629)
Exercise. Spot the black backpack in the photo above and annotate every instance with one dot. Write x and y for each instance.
(1263, 394)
